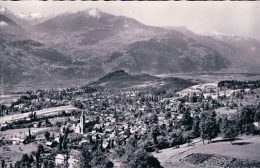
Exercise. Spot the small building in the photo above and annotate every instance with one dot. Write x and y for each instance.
(73, 162)
(17, 141)
(3, 126)
(57, 139)
(105, 144)
(60, 159)
(51, 144)
(180, 116)
(257, 124)
(84, 142)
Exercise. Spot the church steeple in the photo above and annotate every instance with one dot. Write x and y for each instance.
(82, 123)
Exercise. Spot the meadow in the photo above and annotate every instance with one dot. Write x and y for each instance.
(247, 147)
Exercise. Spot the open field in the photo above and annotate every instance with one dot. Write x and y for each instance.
(20, 132)
(9, 98)
(246, 148)
(43, 112)
(12, 153)
(215, 77)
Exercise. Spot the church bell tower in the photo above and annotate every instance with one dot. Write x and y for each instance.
(82, 123)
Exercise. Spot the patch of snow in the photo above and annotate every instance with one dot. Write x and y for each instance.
(31, 16)
(215, 34)
(94, 12)
(2, 23)
(2, 9)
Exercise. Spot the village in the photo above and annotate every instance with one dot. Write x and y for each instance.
(53, 128)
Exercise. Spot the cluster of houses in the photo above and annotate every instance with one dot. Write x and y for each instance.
(71, 160)
(111, 117)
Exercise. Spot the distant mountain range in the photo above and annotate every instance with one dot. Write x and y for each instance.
(89, 44)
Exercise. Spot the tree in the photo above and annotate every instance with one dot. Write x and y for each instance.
(196, 126)
(162, 143)
(39, 124)
(31, 116)
(30, 134)
(188, 136)
(193, 97)
(257, 116)
(223, 125)
(47, 135)
(208, 126)
(177, 138)
(65, 141)
(48, 164)
(141, 159)
(246, 119)
(26, 161)
(231, 132)
(168, 115)
(37, 159)
(100, 160)
(60, 142)
(187, 120)
(3, 164)
(229, 128)
(85, 157)
(47, 122)
(154, 119)
(155, 133)
(149, 146)
(40, 149)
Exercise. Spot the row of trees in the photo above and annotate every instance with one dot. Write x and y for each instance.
(234, 84)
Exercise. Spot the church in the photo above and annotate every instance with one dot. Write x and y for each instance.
(80, 128)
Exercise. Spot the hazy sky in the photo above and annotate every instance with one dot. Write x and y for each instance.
(236, 18)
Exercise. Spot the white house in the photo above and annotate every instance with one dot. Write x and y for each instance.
(257, 124)
(60, 159)
(17, 141)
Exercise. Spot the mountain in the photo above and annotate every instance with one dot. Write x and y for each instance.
(169, 55)
(242, 52)
(88, 44)
(33, 17)
(27, 61)
(122, 79)
(14, 17)
(8, 26)
(87, 20)
(118, 42)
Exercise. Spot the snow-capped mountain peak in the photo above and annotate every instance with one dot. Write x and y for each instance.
(31, 16)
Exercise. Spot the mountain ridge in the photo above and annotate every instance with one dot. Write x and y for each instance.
(92, 43)
(121, 79)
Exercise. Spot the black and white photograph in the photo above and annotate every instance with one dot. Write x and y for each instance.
(129, 84)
